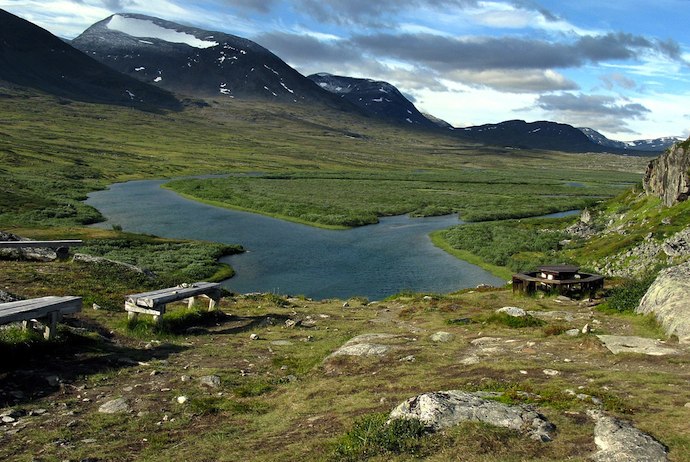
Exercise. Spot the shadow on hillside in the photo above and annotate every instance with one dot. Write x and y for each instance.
(241, 324)
(40, 369)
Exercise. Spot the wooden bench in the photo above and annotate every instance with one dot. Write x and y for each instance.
(61, 247)
(154, 302)
(51, 308)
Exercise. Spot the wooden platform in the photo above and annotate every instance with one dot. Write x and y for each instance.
(154, 302)
(50, 308)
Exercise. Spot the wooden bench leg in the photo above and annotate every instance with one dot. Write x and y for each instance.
(51, 326)
(131, 315)
(190, 302)
(156, 319)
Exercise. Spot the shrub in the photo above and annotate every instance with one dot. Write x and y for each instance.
(372, 435)
(627, 296)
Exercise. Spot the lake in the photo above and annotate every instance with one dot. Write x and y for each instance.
(287, 258)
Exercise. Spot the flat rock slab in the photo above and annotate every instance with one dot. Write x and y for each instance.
(619, 441)
(628, 344)
(444, 409)
(369, 345)
(115, 406)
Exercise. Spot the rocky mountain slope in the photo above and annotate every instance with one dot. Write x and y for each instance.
(653, 146)
(377, 99)
(196, 62)
(32, 57)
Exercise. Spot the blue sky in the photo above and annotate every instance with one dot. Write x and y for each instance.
(621, 67)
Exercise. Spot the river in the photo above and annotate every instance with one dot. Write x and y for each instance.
(287, 258)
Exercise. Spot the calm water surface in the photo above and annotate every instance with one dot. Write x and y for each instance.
(288, 258)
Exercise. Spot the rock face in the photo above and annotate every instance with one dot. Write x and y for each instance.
(444, 409)
(620, 441)
(668, 299)
(668, 176)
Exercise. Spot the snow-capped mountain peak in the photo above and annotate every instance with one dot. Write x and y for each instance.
(146, 28)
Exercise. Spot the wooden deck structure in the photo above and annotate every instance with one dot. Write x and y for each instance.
(50, 308)
(61, 248)
(154, 302)
(562, 279)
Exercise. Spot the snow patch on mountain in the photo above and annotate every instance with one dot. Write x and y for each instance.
(148, 29)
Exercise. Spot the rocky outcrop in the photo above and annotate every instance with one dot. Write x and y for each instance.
(444, 409)
(668, 176)
(620, 441)
(80, 257)
(667, 299)
(25, 253)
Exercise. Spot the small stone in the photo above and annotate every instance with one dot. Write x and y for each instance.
(182, 399)
(346, 304)
(551, 372)
(36, 412)
(254, 337)
(469, 361)
(53, 380)
(96, 306)
(115, 406)
(290, 323)
(89, 440)
(442, 337)
(586, 329)
(513, 311)
(7, 419)
(185, 378)
(572, 332)
(212, 381)
(687, 405)
(409, 359)
(523, 372)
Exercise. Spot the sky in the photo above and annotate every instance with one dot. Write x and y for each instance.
(621, 67)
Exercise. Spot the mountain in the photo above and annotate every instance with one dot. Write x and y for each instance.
(196, 62)
(654, 146)
(533, 135)
(33, 57)
(375, 98)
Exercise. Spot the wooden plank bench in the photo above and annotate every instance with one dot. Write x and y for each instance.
(154, 302)
(61, 247)
(51, 308)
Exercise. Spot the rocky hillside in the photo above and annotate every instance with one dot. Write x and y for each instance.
(651, 146)
(32, 57)
(668, 176)
(196, 62)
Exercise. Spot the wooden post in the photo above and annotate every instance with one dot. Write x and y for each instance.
(131, 315)
(51, 325)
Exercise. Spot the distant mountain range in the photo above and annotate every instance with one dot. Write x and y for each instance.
(653, 146)
(33, 57)
(197, 62)
(138, 60)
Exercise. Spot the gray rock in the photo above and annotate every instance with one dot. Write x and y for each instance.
(629, 344)
(444, 409)
(668, 176)
(115, 406)
(80, 257)
(362, 349)
(25, 253)
(572, 332)
(513, 311)
(6, 297)
(211, 381)
(667, 299)
(442, 337)
(620, 441)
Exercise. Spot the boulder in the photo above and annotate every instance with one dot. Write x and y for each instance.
(620, 441)
(513, 311)
(211, 381)
(667, 298)
(365, 345)
(668, 176)
(25, 253)
(444, 409)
